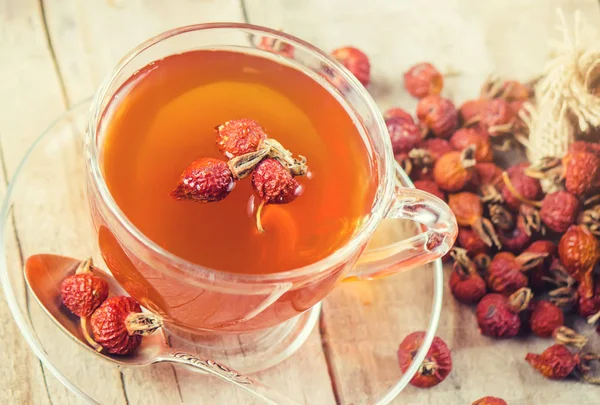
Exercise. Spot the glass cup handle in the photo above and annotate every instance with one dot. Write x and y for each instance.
(440, 231)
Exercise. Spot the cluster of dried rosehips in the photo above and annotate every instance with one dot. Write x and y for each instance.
(118, 323)
(524, 228)
(245, 143)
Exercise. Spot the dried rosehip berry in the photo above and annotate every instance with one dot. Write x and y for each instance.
(454, 170)
(505, 272)
(515, 239)
(423, 80)
(465, 137)
(556, 362)
(438, 115)
(581, 171)
(469, 240)
(579, 251)
(466, 285)
(470, 110)
(583, 146)
(431, 187)
(278, 46)
(355, 61)
(205, 180)
(490, 401)
(589, 306)
(83, 292)
(519, 187)
(513, 90)
(539, 273)
(468, 209)
(545, 318)
(497, 117)
(118, 325)
(404, 135)
(436, 366)
(436, 147)
(238, 137)
(400, 113)
(274, 185)
(559, 210)
(498, 316)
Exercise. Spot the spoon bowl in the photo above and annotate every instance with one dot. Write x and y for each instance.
(44, 274)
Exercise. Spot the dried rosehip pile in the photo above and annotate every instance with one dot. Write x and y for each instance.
(524, 228)
(245, 143)
(118, 323)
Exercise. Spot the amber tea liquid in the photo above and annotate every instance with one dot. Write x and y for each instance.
(164, 117)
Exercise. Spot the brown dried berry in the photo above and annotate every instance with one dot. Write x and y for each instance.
(583, 146)
(498, 316)
(355, 61)
(469, 240)
(505, 272)
(205, 180)
(519, 187)
(581, 172)
(513, 90)
(466, 285)
(436, 147)
(423, 80)
(119, 324)
(436, 366)
(497, 117)
(83, 292)
(545, 318)
(589, 306)
(559, 210)
(539, 273)
(453, 171)
(404, 135)
(465, 137)
(431, 187)
(515, 239)
(579, 252)
(470, 111)
(438, 115)
(399, 113)
(468, 209)
(556, 362)
(238, 137)
(490, 401)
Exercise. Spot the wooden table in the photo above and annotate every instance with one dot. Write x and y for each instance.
(54, 53)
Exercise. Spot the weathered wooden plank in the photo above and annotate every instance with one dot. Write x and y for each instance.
(364, 322)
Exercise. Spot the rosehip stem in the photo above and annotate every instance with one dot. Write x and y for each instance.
(142, 324)
(519, 196)
(529, 260)
(241, 166)
(258, 214)
(568, 337)
(594, 318)
(519, 300)
(297, 167)
(87, 336)
(85, 266)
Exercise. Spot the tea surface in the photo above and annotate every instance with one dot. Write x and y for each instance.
(164, 117)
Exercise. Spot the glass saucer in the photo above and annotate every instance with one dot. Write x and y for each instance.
(350, 359)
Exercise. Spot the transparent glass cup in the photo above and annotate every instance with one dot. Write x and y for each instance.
(199, 300)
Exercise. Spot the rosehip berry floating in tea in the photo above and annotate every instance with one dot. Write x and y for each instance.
(119, 325)
(545, 318)
(355, 61)
(399, 113)
(436, 366)
(498, 316)
(274, 185)
(579, 252)
(490, 401)
(453, 170)
(556, 362)
(205, 180)
(438, 115)
(83, 292)
(423, 79)
(404, 135)
(238, 137)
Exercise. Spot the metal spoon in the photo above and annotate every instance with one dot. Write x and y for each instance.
(44, 274)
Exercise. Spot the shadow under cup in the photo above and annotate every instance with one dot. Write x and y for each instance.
(197, 299)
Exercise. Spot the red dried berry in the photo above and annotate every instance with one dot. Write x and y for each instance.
(273, 183)
(516, 239)
(545, 318)
(556, 362)
(436, 366)
(118, 325)
(581, 171)
(438, 115)
(468, 209)
(539, 272)
(423, 80)
(588, 306)
(436, 147)
(489, 401)
(486, 174)
(470, 110)
(355, 61)
(583, 146)
(505, 274)
(469, 240)
(238, 137)
(465, 137)
(404, 135)
(205, 180)
(278, 46)
(431, 187)
(559, 210)
(466, 285)
(453, 170)
(519, 187)
(83, 292)
(497, 117)
(579, 251)
(498, 316)
(399, 113)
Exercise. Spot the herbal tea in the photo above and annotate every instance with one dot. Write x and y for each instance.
(165, 117)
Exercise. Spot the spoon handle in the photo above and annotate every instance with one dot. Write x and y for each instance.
(266, 393)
